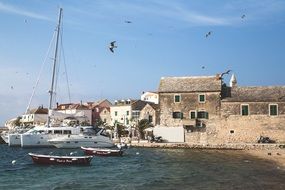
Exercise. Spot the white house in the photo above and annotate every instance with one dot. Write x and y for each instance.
(126, 112)
(121, 112)
(150, 97)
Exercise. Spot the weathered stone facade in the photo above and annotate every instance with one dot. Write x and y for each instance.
(189, 102)
(151, 113)
(224, 122)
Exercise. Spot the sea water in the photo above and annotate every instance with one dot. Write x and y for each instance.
(142, 168)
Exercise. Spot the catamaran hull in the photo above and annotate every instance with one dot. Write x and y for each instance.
(35, 140)
(77, 141)
(14, 140)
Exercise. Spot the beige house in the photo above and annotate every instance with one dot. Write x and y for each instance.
(82, 112)
(37, 116)
(151, 113)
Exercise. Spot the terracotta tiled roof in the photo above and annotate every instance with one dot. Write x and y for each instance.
(257, 94)
(190, 84)
(78, 106)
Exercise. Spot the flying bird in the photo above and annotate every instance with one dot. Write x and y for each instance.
(208, 34)
(112, 46)
(203, 67)
(12, 87)
(128, 21)
(243, 16)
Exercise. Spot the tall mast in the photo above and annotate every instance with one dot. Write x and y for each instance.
(51, 91)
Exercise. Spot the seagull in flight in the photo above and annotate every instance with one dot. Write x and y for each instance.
(243, 16)
(112, 46)
(208, 34)
(128, 21)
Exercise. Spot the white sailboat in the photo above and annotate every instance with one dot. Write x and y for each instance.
(42, 136)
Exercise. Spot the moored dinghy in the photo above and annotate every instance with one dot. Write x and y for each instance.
(60, 160)
(102, 151)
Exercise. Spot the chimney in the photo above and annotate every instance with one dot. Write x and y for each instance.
(233, 81)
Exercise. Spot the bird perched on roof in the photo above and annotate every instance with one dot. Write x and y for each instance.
(227, 72)
(112, 46)
(208, 34)
(243, 16)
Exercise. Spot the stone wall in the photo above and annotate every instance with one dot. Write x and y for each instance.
(189, 102)
(231, 127)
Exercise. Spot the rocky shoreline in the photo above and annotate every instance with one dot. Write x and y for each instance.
(271, 152)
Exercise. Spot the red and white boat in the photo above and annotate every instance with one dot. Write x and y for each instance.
(60, 160)
(102, 151)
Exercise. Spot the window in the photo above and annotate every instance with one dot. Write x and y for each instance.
(273, 109)
(177, 115)
(105, 120)
(150, 118)
(57, 132)
(66, 131)
(202, 115)
(128, 112)
(192, 114)
(177, 98)
(244, 109)
(116, 113)
(202, 98)
(135, 114)
(127, 121)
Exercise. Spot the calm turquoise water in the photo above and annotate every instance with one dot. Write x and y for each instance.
(150, 169)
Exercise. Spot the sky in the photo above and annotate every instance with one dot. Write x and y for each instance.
(164, 38)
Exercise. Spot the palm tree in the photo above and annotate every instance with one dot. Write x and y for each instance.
(142, 125)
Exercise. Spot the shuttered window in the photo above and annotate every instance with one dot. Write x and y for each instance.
(202, 115)
(273, 109)
(177, 115)
(244, 110)
(177, 98)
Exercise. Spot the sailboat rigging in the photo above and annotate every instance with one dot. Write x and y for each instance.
(51, 91)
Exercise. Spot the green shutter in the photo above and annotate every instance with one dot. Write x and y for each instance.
(273, 109)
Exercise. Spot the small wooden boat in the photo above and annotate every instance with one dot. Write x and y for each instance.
(60, 160)
(102, 151)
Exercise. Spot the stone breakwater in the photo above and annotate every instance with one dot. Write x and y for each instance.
(210, 146)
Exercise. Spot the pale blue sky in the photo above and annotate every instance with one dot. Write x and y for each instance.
(165, 38)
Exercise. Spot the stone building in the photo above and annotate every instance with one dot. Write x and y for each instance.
(150, 112)
(213, 113)
(189, 101)
(250, 112)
